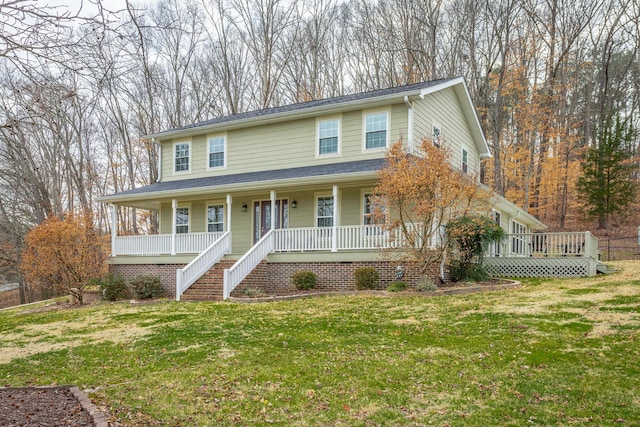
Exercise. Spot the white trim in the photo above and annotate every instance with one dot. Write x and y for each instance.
(365, 114)
(224, 147)
(174, 157)
(319, 120)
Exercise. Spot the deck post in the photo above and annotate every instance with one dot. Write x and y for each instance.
(174, 210)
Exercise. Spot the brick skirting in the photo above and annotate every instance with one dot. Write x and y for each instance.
(166, 272)
(275, 277)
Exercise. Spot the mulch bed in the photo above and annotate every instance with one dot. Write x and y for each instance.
(47, 406)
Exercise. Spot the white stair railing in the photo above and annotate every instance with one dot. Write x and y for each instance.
(241, 269)
(186, 276)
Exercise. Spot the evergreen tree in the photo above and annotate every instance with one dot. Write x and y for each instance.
(606, 185)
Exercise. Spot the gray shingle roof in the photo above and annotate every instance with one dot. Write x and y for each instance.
(212, 182)
(310, 104)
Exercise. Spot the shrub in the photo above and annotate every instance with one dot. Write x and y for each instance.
(366, 278)
(397, 286)
(426, 285)
(304, 280)
(111, 287)
(145, 287)
(467, 271)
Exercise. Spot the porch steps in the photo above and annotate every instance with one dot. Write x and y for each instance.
(604, 269)
(209, 286)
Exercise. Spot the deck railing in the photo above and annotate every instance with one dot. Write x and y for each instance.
(163, 244)
(569, 244)
(245, 265)
(186, 276)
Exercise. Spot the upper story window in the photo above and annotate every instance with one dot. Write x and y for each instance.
(324, 211)
(328, 136)
(436, 135)
(217, 151)
(376, 130)
(215, 218)
(182, 156)
(465, 160)
(182, 220)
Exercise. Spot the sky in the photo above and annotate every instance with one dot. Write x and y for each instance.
(86, 7)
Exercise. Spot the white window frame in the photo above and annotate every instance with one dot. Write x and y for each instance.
(436, 135)
(188, 224)
(175, 158)
(464, 165)
(224, 152)
(224, 215)
(339, 136)
(317, 198)
(367, 114)
(363, 210)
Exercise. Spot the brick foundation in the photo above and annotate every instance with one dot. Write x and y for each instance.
(166, 272)
(275, 277)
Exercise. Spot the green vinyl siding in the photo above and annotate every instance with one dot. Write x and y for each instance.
(443, 108)
(282, 145)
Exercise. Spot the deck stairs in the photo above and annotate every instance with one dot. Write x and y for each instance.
(209, 286)
(602, 268)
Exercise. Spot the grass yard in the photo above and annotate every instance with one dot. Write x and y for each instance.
(557, 352)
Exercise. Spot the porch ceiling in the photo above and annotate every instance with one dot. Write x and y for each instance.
(333, 173)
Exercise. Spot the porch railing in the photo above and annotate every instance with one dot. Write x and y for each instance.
(583, 244)
(186, 276)
(349, 237)
(162, 244)
(245, 265)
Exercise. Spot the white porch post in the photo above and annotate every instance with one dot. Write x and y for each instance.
(114, 228)
(336, 209)
(174, 216)
(229, 201)
(273, 209)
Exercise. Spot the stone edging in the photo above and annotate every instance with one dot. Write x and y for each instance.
(99, 420)
(454, 290)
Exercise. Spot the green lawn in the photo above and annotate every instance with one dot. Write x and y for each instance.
(559, 352)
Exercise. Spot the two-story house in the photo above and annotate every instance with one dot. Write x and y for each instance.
(251, 198)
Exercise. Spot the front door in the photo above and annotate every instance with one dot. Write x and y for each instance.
(262, 217)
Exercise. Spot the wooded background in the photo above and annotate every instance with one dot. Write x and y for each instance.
(79, 91)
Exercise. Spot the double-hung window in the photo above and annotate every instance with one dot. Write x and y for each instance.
(324, 212)
(216, 151)
(182, 220)
(368, 208)
(328, 135)
(465, 160)
(376, 132)
(215, 218)
(436, 134)
(182, 156)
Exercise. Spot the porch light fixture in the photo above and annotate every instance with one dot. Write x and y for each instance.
(294, 204)
(244, 207)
